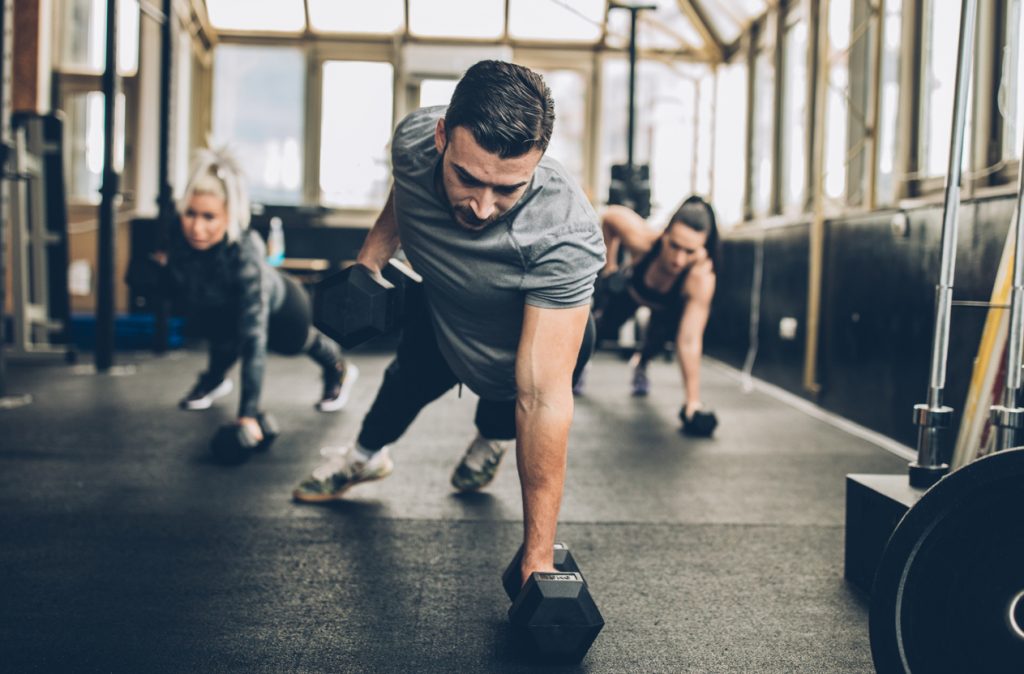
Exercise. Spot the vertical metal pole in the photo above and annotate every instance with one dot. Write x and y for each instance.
(6, 40)
(165, 203)
(107, 244)
(631, 113)
(933, 416)
(1009, 416)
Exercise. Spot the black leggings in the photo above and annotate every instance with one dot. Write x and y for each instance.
(290, 332)
(621, 306)
(419, 375)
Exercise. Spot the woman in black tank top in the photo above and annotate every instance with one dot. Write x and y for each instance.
(672, 273)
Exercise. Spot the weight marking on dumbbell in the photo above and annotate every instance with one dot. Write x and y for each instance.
(1012, 617)
(558, 576)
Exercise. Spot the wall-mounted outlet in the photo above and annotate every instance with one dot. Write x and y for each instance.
(787, 328)
(900, 225)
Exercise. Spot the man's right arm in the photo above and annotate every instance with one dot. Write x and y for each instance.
(382, 240)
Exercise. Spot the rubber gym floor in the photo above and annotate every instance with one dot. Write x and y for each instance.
(126, 549)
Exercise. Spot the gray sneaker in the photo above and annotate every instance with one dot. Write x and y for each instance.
(480, 463)
(342, 470)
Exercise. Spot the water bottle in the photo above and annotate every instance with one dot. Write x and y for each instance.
(275, 242)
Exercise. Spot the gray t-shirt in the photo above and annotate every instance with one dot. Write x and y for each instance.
(545, 252)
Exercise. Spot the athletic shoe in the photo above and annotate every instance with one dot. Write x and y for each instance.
(641, 384)
(203, 394)
(479, 464)
(343, 468)
(581, 383)
(337, 387)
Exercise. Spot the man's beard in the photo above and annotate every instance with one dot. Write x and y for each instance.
(465, 217)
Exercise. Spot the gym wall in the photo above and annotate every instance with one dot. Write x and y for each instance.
(877, 304)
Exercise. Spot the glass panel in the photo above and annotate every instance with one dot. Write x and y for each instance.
(85, 144)
(277, 16)
(258, 99)
(354, 169)
(380, 16)
(941, 36)
(436, 92)
(182, 115)
(892, 30)
(664, 130)
(705, 105)
(794, 117)
(457, 18)
(568, 138)
(547, 20)
(663, 28)
(729, 17)
(837, 115)
(83, 36)
(730, 142)
(1011, 92)
(764, 130)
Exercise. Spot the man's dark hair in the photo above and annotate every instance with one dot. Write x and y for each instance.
(698, 215)
(507, 107)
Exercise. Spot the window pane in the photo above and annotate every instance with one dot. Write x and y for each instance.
(547, 20)
(664, 129)
(380, 16)
(85, 144)
(764, 130)
(279, 16)
(941, 36)
(664, 28)
(568, 88)
(436, 92)
(457, 18)
(1011, 91)
(258, 99)
(794, 117)
(705, 134)
(837, 113)
(83, 45)
(730, 142)
(892, 29)
(354, 138)
(182, 115)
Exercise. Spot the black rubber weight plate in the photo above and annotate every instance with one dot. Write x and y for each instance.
(949, 592)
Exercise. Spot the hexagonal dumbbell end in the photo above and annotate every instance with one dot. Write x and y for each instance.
(511, 580)
(350, 307)
(557, 614)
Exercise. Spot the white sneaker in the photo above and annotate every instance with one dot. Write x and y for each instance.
(200, 398)
(336, 393)
(480, 463)
(343, 468)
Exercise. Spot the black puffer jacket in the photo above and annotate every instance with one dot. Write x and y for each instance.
(229, 292)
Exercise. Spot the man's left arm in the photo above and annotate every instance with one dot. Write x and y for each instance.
(548, 349)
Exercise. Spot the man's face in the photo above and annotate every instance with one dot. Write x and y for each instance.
(480, 186)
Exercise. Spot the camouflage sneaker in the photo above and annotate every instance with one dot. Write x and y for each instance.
(342, 470)
(480, 463)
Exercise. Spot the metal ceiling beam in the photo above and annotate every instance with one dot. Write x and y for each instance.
(712, 43)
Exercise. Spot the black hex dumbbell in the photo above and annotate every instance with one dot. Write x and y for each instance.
(354, 306)
(233, 444)
(701, 424)
(512, 579)
(554, 611)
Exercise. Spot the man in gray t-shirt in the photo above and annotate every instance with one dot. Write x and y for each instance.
(508, 247)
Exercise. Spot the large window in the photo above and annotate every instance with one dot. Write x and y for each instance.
(664, 128)
(83, 45)
(762, 145)
(888, 104)
(568, 88)
(258, 111)
(85, 136)
(730, 142)
(837, 119)
(794, 113)
(478, 19)
(941, 29)
(1011, 89)
(354, 167)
